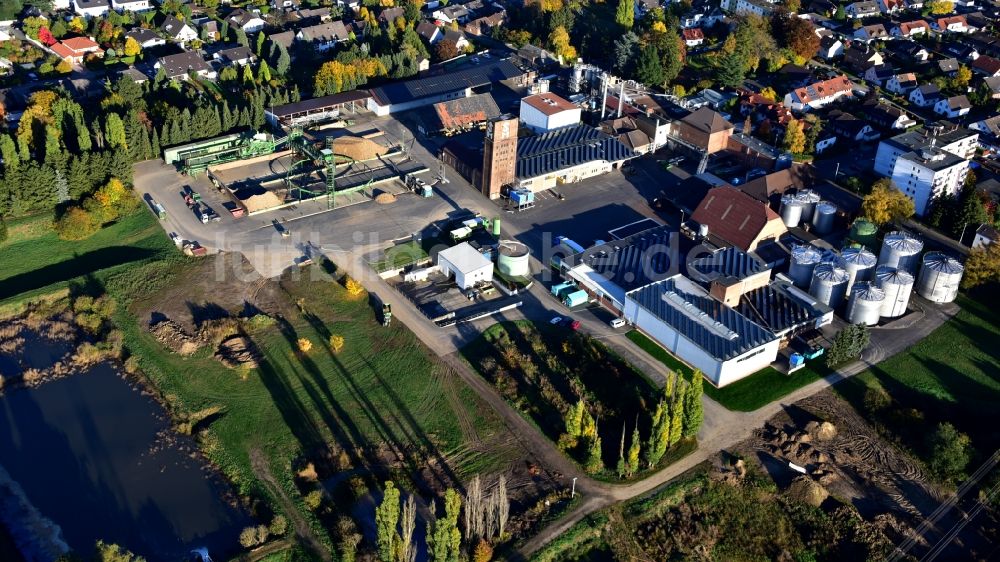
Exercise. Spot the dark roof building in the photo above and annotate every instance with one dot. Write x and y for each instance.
(738, 218)
(466, 112)
(409, 94)
(567, 147)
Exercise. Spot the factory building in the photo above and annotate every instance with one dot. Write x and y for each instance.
(547, 111)
(567, 155)
(705, 333)
(499, 156)
(737, 218)
(466, 264)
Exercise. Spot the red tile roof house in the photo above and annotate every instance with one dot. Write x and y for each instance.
(955, 24)
(693, 37)
(986, 65)
(738, 218)
(819, 94)
(75, 49)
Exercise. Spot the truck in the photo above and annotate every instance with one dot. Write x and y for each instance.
(160, 212)
(386, 313)
(236, 210)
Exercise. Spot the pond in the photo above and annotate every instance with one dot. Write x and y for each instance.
(97, 458)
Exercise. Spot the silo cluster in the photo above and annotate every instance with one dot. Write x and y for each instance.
(900, 251)
(940, 276)
(897, 284)
(865, 304)
(829, 284)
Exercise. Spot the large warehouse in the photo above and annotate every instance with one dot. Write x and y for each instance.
(708, 335)
(567, 155)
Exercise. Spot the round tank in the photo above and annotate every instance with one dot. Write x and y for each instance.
(823, 216)
(897, 284)
(513, 259)
(802, 264)
(829, 284)
(863, 232)
(865, 304)
(496, 227)
(809, 199)
(901, 251)
(860, 265)
(791, 211)
(939, 277)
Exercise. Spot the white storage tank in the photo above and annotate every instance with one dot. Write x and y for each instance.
(829, 284)
(939, 278)
(901, 251)
(803, 262)
(791, 210)
(809, 199)
(898, 285)
(513, 259)
(865, 304)
(823, 217)
(860, 265)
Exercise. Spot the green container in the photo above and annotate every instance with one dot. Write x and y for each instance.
(496, 227)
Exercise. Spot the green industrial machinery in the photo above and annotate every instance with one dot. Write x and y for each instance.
(196, 157)
(304, 151)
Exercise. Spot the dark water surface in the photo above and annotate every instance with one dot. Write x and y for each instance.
(89, 453)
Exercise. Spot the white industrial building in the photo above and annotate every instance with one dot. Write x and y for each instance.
(718, 340)
(547, 111)
(469, 267)
(928, 163)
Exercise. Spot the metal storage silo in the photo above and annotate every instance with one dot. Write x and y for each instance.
(865, 304)
(809, 199)
(513, 259)
(791, 210)
(900, 250)
(859, 263)
(802, 264)
(897, 284)
(823, 216)
(939, 278)
(829, 284)
(863, 232)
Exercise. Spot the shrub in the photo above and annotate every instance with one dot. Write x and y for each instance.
(483, 552)
(3, 230)
(950, 452)
(305, 345)
(279, 525)
(353, 287)
(336, 343)
(876, 399)
(248, 537)
(77, 224)
(313, 500)
(259, 322)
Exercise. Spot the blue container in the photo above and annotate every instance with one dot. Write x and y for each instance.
(796, 360)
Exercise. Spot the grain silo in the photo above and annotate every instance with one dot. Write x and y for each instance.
(513, 259)
(791, 210)
(897, 284)
(865, 304)
(803, 262)
(829, 284)
(823, 217)
(901, 251)
(860, 265)
(939, 278)
(809, 199)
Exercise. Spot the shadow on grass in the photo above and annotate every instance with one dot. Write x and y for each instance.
(80, 264)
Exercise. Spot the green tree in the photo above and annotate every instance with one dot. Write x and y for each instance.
(107, 552)
(729, 70)
(9, 154)
(848, 344)
(444, 539)
(264, 72)
(625, 14)
(248, 75)
(648, 70)
(950, 452)
(622, 467)
(594, 463)
(386, 521)
(633, 453)
(970, 210)
(114, 131)
(260, 44)
(676, 419)
(659, 436)
(694, 414)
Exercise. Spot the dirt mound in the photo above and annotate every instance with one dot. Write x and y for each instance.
(173, 336)
(238, 351)
(805, 490)
(826, 431)
(385, 198)
(358, 148)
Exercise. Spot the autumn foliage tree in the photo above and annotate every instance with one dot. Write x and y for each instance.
(336, 76)
(446, 49)
(886, 203)
(45, 36)
(982, 266)
(795, 137)
(559, 42)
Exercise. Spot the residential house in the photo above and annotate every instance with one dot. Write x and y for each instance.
(450, 13)
(901, 83)
(869, 33)
(643, 7)
(91, 8)
(824, 141)
(849, 127)
(693, 37)
(953, 107)
(819, 94)
(925, 95)
(313, 15)
(948, 66)
(885, 116)
(389, 15)
(987, 66)
(830, 47)
(284, 38)
(177, 67)
(915, 5)
(859, 57)
(861, 10)
(992, 86)
(130, 5)
(135, 74)
(879, 74)
(430, 32)
(702, 14)
(458, 38)
(985, 235)
(761, 8)
(75, 49)
(284, 4)
(906, 51)
(891, 6)
(985, 43)
(208, 28)
(249, 22)
(234, 56)
(484, 24)
(178, 31)
(146, 38)
(951, 24)
(989, 132)
(324, 36)
(962, 51)
(911, 29)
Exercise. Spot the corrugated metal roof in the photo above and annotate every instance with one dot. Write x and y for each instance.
(720, 331)
(410, 90)
(728, 262)
(775, 309)
(566, 147)
(630, 262)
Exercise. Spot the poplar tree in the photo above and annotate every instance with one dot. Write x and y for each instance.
(444, 540)
(386, 520)
(694, 414)
(676, 419)
(633, 453)
(625, 14)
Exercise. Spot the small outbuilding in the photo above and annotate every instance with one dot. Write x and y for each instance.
(467, 265)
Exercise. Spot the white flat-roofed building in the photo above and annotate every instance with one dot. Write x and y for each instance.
(544, 112)
(466, 264)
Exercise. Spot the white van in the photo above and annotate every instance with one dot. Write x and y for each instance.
(617, 323)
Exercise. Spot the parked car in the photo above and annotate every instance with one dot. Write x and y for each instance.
(556, 320)
(571, 324)
(618, 323)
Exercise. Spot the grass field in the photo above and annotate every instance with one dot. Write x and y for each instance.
(34, 260)
(952, 375)
(745, 395)
(400, 255)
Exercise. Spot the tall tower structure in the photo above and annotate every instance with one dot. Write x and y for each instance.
(499, 155)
